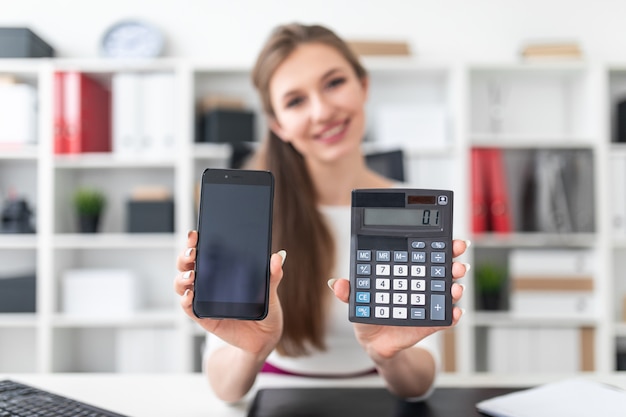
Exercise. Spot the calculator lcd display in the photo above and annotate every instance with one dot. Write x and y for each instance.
(401, 217)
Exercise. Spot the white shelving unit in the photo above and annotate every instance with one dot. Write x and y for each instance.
(513, 106)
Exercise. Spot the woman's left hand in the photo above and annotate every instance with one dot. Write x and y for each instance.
(384, 342)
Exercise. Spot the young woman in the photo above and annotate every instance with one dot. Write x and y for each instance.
(313, 90)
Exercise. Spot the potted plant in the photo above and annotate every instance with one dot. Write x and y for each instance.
(89, 204)
(490, 285)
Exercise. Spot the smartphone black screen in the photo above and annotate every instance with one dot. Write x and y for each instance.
(234, 244)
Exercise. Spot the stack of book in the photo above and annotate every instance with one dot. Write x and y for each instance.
(556, 50)
(378, 47)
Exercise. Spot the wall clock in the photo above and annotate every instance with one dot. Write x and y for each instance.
(132, 39)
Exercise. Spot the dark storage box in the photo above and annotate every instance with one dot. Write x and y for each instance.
(23, 43)
(18, 294)
(150, 216)
(226, 126)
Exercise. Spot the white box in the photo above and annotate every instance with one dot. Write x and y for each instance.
(20, 102)
(551, 262)
(100, 292)
(553, 304)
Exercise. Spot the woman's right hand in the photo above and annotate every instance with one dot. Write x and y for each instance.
(257, 337)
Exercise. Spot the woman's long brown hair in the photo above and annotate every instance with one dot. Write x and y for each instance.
(299, 227)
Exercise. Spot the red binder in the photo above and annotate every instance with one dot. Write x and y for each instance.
(82, 114)
(479, 196)
(498, 197)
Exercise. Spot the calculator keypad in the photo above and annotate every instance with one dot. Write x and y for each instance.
(403, 285)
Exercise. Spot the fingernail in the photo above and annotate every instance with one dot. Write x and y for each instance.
(186, 275)
(186, 292)
(467, 267)
(331, 283)
(462, 312)
(462, 286)
(188, 252)
(283, 255)
(468, 243)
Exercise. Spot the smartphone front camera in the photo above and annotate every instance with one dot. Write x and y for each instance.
(226, 176)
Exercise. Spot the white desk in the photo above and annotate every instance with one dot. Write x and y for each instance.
(188, 395)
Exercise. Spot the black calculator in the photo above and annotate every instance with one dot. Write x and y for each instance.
(401, 257)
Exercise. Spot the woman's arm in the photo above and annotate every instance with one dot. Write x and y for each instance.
(232, 369)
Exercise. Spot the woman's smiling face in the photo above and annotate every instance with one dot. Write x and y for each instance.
(318, 103)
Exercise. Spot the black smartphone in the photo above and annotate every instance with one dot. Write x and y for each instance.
(234, 244)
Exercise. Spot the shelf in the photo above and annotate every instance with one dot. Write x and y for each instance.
(141, 319)
(506, 319)
(18, 320)
(115, 241)
(534, 240)
(108, 160)
(213, 151)
(534, 141)
(18, 241)
(25, 152)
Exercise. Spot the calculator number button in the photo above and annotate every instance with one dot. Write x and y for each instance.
(418, 285)
(400, 270)
(418, 299)
(381, 312)
(418, 271)
(400, 284)
(383, 270)
(382, 298)
(383, 283)
(400, 298)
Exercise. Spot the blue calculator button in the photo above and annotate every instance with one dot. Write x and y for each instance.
(418, 245)
(438, 245)
(362, 311)
(362, 297)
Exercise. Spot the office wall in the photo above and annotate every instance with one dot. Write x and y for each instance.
(231, 30)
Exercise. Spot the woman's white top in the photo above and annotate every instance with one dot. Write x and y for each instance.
(343, 356)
